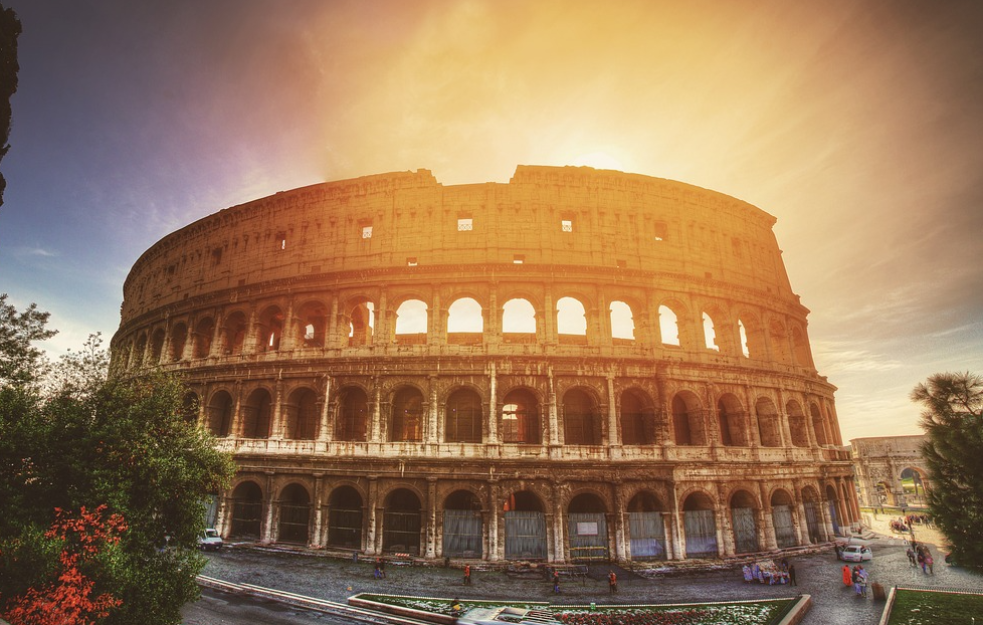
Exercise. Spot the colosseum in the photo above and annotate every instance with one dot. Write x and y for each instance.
(578, 365)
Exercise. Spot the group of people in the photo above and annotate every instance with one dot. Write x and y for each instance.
(769, 572)
(921, 556)
(857, 577)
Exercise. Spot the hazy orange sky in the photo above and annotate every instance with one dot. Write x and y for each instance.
(858, 124)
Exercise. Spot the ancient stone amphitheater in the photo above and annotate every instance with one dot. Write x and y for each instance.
(579, 365)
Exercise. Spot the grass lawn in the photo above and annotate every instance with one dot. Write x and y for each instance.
(922, 607)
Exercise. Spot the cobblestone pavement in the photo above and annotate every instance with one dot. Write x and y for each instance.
(818, 575)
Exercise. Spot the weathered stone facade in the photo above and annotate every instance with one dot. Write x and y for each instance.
(638, 383)
(880, 462)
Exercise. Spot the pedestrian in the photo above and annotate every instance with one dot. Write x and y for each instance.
(556, 582)
(612, 582)
(467, 574)
(791, 575)
(847, 577)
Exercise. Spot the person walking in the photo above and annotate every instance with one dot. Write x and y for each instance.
(791, 575)
(612, 582)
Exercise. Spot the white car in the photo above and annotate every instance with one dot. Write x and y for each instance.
(210, 540)
(856, 553)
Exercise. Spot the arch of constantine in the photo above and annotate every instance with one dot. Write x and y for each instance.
(575, 365)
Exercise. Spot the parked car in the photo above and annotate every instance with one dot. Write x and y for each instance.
(856, 553)
(210, 540)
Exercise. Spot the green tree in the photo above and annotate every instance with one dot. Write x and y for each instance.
(10, 29)
(122, 444)
(953, 450)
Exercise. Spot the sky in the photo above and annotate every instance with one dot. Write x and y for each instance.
(858, 124)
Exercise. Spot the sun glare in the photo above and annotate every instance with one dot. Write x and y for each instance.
(599, 160)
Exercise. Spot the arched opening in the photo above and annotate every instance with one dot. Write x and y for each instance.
(520, 418)
(587, 529)
(361, 324)
(257, 414)
(312, 324)
(353, 415)
(345, 518)
(622, 323)
(709, 333)
(818, 426)
(234, 335)
(189, 407)
(407, 416)
(742, 514)
(768, 423)
(295, 515)
(687, 419)
(810, 506)
(525, 527)
(646, 527)
(463, 419)
(669, 326)
(302, 415)
(156, 346)
(730, 415)
(247, 511)
(411, 323)
(700, 526)
(465, 323)
(571, 321)
(179, 336)
(581, 419)
(781, 517)
(202, 342)
(462, 536)
(797, 424)
(270, 329)
(518, 321)
(637, 418)
(401, 522)
(220, 412)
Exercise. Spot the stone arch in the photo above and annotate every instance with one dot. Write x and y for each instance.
(637, 417)
(345, 513)
(581, 418)
(234, 333)
(797, 424)
(352, 418)
(302, 415)
(257, 414)
(463, 531)
(463, 416)
(312, 324)
(247, 510)
(622, 321)
(220, 411)
(733, 421)
(587, 527)
(408, 418)
(202, 339)
(270, 329)
(525, 526)
(402, 522)
(179, 337)
(295, 514)
(520, 421)
(743, 514)
(769, 426)
(700, 525)
(782, 518)
(687, 419)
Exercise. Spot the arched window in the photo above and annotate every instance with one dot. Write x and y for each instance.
(353, 415)
(463, 417)
(257, 414)
(407, 416)
(411, 323)
(571, 321)
(581, 421)
(669, 326)
(520, 418)
(637, 419)
(302, 415)
(622, 324)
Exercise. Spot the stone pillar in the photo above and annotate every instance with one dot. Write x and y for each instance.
(431, 517)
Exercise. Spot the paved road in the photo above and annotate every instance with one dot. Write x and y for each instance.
(328, 578)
